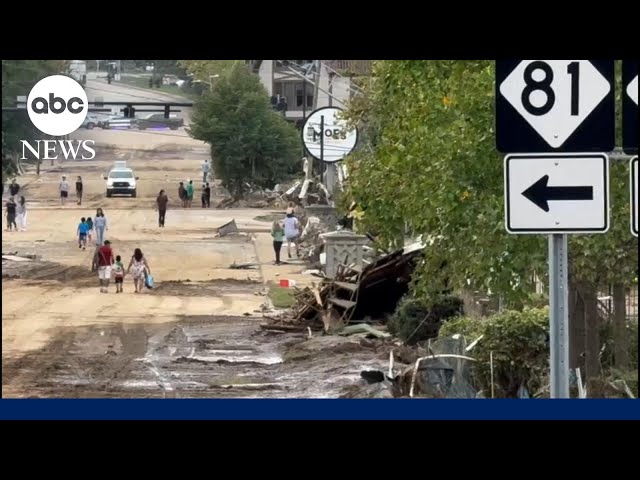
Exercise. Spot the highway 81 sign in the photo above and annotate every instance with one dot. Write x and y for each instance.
(557, 193)
(630, 106)
(555, 105)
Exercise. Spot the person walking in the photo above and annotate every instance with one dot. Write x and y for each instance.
(79, 190)
(82, 233)
(89, 229)
(205, 171)
(104, 260)
(162, 201)
(11, 214)
(277, 232)
(203, 196)
(100, 224)
(189, 193)
(207, 195)
(64, 190)
(14, 188)
(182, 194)
(21, 214)
(292, 232)
(140, 269)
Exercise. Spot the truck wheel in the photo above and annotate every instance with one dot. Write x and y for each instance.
(173, 127)
(133, 195)
(90, 126)
(108, 194)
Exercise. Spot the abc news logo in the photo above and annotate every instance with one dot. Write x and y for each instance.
(41, 105)
(57, 106)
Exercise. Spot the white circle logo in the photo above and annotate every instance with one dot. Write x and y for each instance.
(57, 105)
(327, 136)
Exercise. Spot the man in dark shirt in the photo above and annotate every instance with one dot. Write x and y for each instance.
(11, 215)
(207, 194)
(14, 188)
(104, 260)
(162, 202)
(182, 194)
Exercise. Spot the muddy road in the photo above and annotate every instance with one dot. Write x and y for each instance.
(196, 333)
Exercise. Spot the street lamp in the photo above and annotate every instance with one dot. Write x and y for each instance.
(211, 77)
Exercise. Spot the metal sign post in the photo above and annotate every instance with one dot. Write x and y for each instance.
(543, 108)
(559, 315)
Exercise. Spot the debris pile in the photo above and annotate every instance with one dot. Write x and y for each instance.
(354, 295)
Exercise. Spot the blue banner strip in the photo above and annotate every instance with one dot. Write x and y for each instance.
(319, 409)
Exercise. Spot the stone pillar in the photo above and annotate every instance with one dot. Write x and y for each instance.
(342, 247)
(327, 214)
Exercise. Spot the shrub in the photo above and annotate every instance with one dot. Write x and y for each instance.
(520, 346)
(416, 320)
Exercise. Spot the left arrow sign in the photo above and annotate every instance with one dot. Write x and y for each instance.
(540, 193)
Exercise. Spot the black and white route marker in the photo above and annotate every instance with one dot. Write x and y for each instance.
(555, 105)
(630, 106)
(557, 193)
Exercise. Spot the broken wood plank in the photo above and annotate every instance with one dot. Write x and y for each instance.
(363, 328)
(346, 304)
(352, 287)
(316, 293)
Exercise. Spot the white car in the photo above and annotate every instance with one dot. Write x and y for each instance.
(121, 181)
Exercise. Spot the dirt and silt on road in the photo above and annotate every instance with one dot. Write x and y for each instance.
(196, 334)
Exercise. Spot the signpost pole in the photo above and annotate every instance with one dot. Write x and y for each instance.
(559, 315)
(321, 147)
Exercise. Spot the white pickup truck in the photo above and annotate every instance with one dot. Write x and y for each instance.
(121, 180)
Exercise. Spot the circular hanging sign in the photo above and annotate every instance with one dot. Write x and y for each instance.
(327, 136)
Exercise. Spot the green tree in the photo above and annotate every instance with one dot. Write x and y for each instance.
(18, 77)
(203, 70)
(432, 167)
(250, 143)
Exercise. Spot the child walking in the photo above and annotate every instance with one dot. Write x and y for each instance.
(118, 273)
(89, 228)
(82, 234)
(277, 232)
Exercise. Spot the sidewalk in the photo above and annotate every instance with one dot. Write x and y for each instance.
(274, 273)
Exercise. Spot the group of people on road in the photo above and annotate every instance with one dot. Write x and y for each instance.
(16, 209)
(110, 266)
(88, 226)
(186, 191)
(288, 229)
(63, 187)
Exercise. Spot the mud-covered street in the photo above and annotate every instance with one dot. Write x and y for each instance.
(196, 333)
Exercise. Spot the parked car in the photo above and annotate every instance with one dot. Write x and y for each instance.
(118, 122)
(91, 121)
(157, 120)
(121, 180)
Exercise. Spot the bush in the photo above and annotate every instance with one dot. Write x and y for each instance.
(520, 346)
(415, 320)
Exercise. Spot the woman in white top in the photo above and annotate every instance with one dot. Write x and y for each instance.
(292, 232)
(21, 214)
(64, 190)
(100, 224)
(140, 269)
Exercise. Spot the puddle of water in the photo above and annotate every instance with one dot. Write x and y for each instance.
(264, 359)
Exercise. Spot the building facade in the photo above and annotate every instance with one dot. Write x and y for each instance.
(291, 83)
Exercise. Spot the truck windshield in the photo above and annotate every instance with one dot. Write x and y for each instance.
(121, 175)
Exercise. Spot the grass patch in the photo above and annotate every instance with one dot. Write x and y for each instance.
(281, 297)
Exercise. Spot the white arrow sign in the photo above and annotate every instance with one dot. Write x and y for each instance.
(555, 96)
(557, 193)
(632, 90)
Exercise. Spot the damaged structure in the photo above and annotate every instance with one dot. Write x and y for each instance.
(355, 293)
